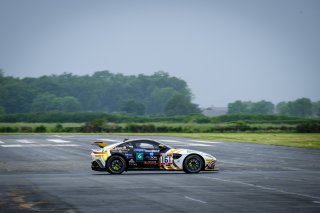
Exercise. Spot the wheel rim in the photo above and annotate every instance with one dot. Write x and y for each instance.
(194, 164)
(116, 165)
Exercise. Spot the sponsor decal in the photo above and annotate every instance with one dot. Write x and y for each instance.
(152, 150)
(139, 156)
(151, 157)
(121, 149)
(128, 154)
(132, 162)
(150, 162)
(139, 150)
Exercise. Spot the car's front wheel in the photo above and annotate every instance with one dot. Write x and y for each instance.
(192, 164)
(116, 164)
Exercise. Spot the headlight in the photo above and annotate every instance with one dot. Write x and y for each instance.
(208, 156)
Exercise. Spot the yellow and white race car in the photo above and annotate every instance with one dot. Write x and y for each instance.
(146, 154)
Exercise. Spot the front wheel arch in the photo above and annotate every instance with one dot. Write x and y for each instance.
(194, 154)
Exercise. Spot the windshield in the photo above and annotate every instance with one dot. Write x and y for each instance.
(169, 147)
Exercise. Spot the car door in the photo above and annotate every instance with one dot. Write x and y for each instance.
(146, 154)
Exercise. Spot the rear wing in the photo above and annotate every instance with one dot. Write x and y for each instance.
(100, 144)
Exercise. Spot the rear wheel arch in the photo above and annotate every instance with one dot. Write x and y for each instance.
(112, 157)
(118, 154)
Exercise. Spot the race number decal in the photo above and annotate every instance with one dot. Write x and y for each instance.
(166, 159)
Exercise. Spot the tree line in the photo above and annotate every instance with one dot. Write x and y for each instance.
(302, 107)
(102, 91)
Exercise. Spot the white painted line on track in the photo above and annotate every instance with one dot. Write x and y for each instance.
(196, 144)
(58, 141)
(63, 136)
(190, 198)
(12, 145)
(37, 145)
(25, 141)
(201, 141)
(105, 139)
(263, 187)
(170, 141)
(189, 144)
(1, 142)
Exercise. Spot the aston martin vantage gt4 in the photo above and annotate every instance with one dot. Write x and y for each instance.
(146, 154)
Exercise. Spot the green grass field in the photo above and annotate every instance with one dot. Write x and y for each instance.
(33, 125)
(301, 140)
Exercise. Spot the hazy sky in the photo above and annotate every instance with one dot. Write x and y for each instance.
(225, 49)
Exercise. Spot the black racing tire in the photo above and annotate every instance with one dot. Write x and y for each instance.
(116, 164)
(193, 164)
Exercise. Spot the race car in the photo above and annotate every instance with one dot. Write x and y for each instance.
(146, 154)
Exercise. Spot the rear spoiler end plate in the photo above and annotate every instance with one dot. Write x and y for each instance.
(100, 144)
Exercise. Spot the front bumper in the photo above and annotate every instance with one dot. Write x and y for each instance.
(210, 165)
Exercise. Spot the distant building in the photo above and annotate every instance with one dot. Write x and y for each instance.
(214, 111)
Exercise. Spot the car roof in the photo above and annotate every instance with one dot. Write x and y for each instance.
(140, 139)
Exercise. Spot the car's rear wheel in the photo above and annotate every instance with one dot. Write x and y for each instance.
(192, 164)
(116, 164)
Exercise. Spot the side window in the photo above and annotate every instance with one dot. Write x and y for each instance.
(145, 145)
(124, 146)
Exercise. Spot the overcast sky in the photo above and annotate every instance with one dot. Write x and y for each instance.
(224, 49)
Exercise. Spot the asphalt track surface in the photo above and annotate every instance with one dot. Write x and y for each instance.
(51, 173)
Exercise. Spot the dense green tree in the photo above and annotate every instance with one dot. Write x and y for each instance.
(49, 102)
(240, 107)
(180, 105)
(316, 108)
(282, 108)
(262, 107)
(236, 107)
(133, 107)
(103, 91)
(45, 102)
(300, 107)
(69, 104)
(248, 107)
(2, 110)
(15, 96)
(159, 98)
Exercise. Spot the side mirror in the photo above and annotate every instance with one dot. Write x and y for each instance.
(161, 146)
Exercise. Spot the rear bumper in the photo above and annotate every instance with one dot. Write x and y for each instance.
(95, 165)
